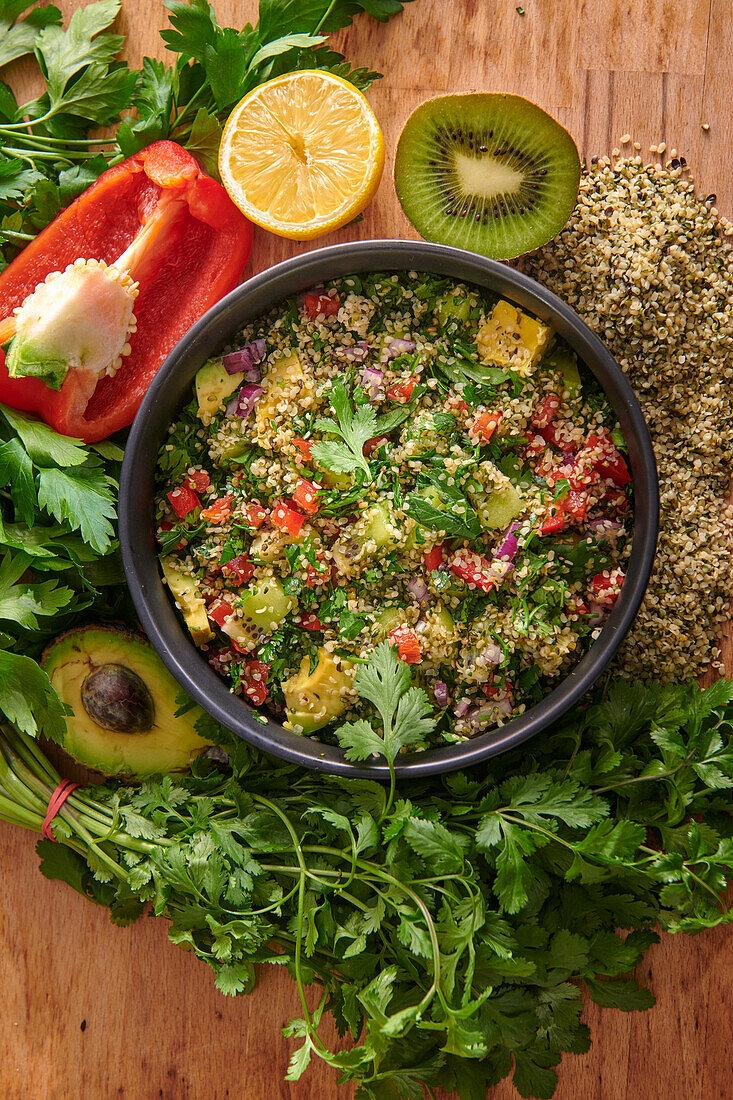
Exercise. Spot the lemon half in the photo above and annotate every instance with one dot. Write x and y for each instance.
(302, 154)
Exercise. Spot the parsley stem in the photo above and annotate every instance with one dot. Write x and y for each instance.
(324, 17)
(25, 154)
(36, 140)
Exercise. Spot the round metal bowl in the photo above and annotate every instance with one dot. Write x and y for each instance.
(171, 387)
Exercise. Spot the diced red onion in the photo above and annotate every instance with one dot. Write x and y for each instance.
(356, 354)
(461, 707)
(568, 458)
(596, 614)
(508, 549)
(491, 654)
(372, 381)
(604, 525)
(481, 716)
(244, 361)
(399, 346)
(418, 589)
(244, 401)
(504, 706)
(441, 693)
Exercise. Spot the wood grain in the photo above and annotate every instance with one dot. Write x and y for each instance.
(95, 1012)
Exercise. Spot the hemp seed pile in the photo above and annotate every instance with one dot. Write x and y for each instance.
(648, 265)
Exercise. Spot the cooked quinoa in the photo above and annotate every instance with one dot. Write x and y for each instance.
(648, 264)
(397, 457)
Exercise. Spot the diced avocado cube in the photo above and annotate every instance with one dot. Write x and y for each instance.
(375, 531)
(512, 339)
(565, 364)
(228, 446)
(386, 620)
(499, 508)
(313, 699)
(187, 594)
(285, 384)
(380, 527)
(452, 307)
(441, 632)
(213, 387)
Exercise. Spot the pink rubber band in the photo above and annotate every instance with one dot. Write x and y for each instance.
(55, 803)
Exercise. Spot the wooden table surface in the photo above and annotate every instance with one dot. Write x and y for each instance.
(90, 1011)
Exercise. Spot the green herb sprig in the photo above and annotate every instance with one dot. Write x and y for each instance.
(354, 426)
(451, 924)
(50, 150)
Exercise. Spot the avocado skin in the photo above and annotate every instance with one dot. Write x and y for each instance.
(169, 745)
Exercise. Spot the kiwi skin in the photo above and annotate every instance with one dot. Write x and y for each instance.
(488, 172)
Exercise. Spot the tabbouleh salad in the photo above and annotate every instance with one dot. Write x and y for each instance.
(400, 457)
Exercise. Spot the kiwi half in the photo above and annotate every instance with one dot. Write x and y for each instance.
(487, 172)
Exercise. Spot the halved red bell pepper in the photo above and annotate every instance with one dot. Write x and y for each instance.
(175, 232)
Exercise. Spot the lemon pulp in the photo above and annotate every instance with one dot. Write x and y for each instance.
(302, 154)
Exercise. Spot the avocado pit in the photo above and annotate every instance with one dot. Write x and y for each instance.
(118, 699)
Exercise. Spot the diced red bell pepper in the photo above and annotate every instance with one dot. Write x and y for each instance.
(239, 570)
(183, 501)
(605, 587)
(308, 621)
(166, 525)
(577, 605)
(546, 411)
(571, 507)
(473, 569)
(305, 446)
(576, 504)
(373, 443)
(554, 521)
(486, 424)
(220, 611)
(316, 304)
(616, 499)
(287, 519)
(221, 659)
(401, 391)
(254, 681)
(198, 480)
(560, 434)
(603, 456)
(255, 515)
(190, 247)
(535, 447)
(219, 511)
(408, 644)
(306, 496)
(318, 575)
(435, 557)
(492, 690)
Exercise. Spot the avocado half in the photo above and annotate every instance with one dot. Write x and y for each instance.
(124, 704)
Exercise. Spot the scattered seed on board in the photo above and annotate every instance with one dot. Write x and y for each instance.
(656, 283)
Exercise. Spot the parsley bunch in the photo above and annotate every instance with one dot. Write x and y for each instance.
(50, 151)
(452, 924)
(58, 554)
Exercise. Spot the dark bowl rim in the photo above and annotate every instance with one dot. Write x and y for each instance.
(137, 540)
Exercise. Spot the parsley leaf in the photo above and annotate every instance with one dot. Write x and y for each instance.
(83, 497)
(28, 699)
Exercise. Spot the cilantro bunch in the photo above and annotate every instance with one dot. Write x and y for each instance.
(49, 148)
(451, 925)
